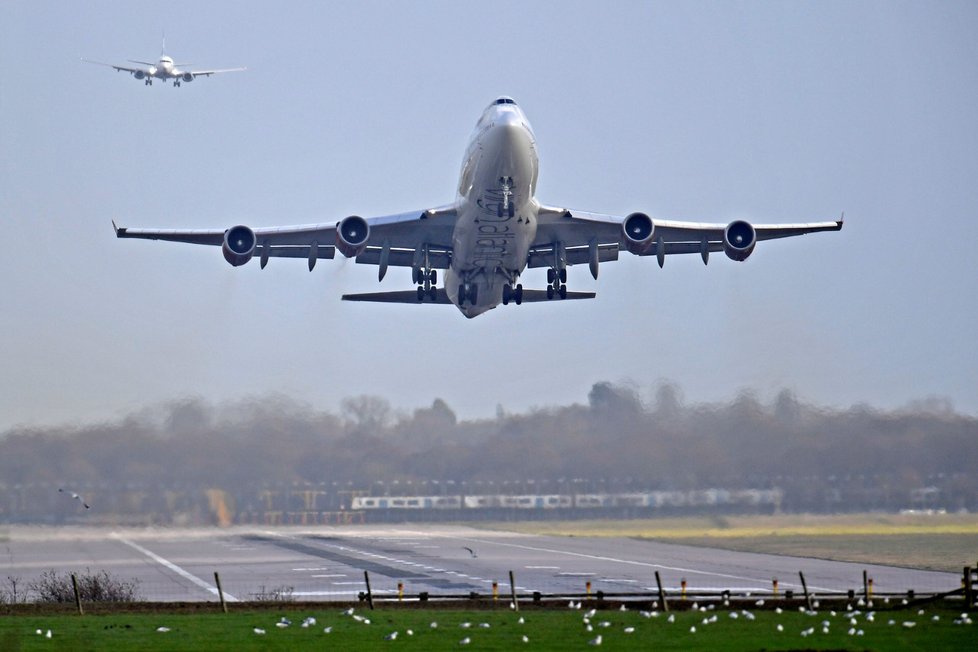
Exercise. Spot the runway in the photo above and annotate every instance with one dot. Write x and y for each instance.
(327, 563)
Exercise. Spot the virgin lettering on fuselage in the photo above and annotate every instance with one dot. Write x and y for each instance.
(494, 230)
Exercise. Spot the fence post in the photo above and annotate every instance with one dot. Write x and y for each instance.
(662, 594)
(969, 595)
(587, 590)
(74, 585)
(370, 596)
(774, 583)
(682, 585)
(865, 586)
(870, 587)
(400, 591)
(804, 587)
(220, 592)
(495, 591)
(512, 591)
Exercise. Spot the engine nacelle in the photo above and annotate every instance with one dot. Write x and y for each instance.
(239, 245)
(637, 230)
(187, 77)
(739, 239)
(352, 234)
(139, 74)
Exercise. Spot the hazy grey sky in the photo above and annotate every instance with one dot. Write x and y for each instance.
(696, 110)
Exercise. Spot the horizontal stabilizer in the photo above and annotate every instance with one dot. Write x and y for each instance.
(403, 296)
(533, 296)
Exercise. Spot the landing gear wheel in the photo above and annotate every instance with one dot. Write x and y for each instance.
(550, 292)
(420, 294)
(518, 294)
(563, 275)
(563, 291)
(551, 275)
(433, 293)
(499, 210)
(512, 209)
(433, 277)
(461, 294)
(507, 294)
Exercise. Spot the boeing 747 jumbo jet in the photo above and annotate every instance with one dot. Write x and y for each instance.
(164, 69)
(493, 231)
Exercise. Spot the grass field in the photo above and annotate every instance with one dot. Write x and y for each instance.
(945, 542)
(562, 629)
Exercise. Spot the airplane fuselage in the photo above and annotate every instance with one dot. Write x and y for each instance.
(497, 212)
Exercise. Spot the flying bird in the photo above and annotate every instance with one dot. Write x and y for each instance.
(76, 497)
(471, 551)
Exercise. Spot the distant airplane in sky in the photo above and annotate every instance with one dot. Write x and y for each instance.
(494, 230)
(164, 69)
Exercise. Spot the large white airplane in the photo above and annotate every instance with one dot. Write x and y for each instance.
(493, 231)
(164, 70)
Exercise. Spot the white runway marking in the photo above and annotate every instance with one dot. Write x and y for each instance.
(176, 569)
(335, 575)
(542, 567)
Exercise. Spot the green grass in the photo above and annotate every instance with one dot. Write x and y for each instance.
(555, 629)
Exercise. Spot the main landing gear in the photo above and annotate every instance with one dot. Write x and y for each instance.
(557, 280)
(427, 280)
(512, 294)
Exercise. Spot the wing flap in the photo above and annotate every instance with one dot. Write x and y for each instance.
(539, 296)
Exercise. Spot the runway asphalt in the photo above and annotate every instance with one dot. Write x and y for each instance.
(327, 563)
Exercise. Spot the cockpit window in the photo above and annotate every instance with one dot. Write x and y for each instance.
(505, 100)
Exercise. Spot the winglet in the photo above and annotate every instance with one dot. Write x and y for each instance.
(119, 231)
(842, 218)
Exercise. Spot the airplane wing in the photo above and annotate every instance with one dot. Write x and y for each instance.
(122, 68)
(585, 237)
(207, 73)
(390, 239)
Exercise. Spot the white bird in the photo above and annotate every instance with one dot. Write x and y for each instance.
(327, 630)
(258, 630)
(595, 641)
(47, 634)
(629, 630)
(521, 621)
(590, 614)
(391, 637)
(908, 624)
(465, 625)
(780, 627)
(692, 630)
(484, 625)
(622, 608)
(162, 629)
(672, 618)
(465, 641)
(526, 639)
(433, 625)
(76, 497)
(410, 632)
(348, 612)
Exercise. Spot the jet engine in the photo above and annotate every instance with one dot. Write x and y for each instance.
(739, 239)
(187, 77)
(637, 230)
(139, 74)
(352, 234)
(239, 245)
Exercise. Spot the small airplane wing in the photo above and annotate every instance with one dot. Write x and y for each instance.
(577, 231)
(402, 296)
(401, 235)
(122, 68)
(207, 73)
